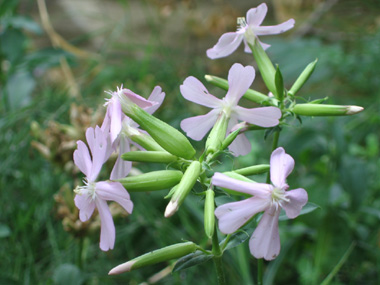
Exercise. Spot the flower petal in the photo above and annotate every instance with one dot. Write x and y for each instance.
(197, 127)
(137, 99)
(265, 241)
(261, 190)
(298, 199)
(234, 215)
(82, 158)
(121, 167)
(114, 191)
(116, 117)
(107, 227)
(281, 165)
(274, 30)
(240, 78)
(263, 116)
(193, 90)
(226, 45)
(240, 146)
(255, 16)
(85, 205)
(156, 97)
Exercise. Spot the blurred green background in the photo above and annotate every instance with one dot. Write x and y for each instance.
(57, 60)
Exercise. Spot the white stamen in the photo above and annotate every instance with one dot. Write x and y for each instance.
(88, 189)
(278, 197)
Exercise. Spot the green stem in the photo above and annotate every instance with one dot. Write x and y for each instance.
(218, 259)
(260, 263)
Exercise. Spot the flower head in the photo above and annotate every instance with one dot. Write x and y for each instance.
(270, 198)
(240, 79)
(248, 31)
(96, 194)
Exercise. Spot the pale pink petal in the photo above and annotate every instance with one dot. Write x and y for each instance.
(86, 206)
(265, 241)
(298, 199)
(101, 150)
(197, 127)
(281, 165)
(114, 191)
(121, 167)
(263, 116)
(247, 49)
(156, 97)
(260, 190)
(107, 227)
(255, 16)
(90, 137)
(137, 99)
(234, 215)
(193, 90)
(116, 117)
(240, 78)
(82, 158)
(240, 146)
(106, 125)
(226, 45)
(274, 30)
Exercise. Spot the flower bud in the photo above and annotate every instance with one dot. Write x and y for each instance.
(251, 94)
(252, 170)
(325, 110)
(217, 134)
(304, 76)
(265, 65)
(149, 156)
(146, 141)
(187, 182)
(163, 254)
(151, 181)
(230, 138)
(279, 82)
(209, 216)
(165, 135)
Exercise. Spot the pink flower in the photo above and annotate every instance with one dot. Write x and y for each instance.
(119, 125)
(240, 79)
(270, 198)
(96, 194)
(248, 31)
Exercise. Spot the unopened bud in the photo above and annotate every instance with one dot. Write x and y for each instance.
(163, 254)
(325, 110)
(187, 182)
(151, 181)
(146, 141)
(149, 156)
(252, 170)
(304, 76)
(229, 139)
(217, 134)
(209, 216)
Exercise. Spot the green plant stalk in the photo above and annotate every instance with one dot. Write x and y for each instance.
(218, 258)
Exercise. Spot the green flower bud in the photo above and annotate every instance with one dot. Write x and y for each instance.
(325, 110)
(251, 95)
(209, 216)
(165, 135)
(217, 134)
(163, 254)
(304, 76)
(230, 138)
(265, 65)
(151, 181)
(187, 182)
(252, 170)
(146, 142)
(279, 82)
(149, 156)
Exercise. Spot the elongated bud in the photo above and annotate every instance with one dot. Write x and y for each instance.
(230, 138)
(251, 94)
(279, 82)
(165, 135)
(146, 141)
(209, 216)
(163, 254)
(217, 134)
(187, 182)
(325, 110)
(149, 156)
(151, 181)
(265, 65)
(252, 170)
(304, 76)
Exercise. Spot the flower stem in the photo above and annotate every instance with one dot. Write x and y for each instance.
(260, 263)
(218, 259)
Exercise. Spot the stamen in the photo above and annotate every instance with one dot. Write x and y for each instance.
(242, 23)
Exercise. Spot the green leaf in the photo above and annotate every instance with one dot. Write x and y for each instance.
(237, 238)
(191, 259)
(308, 208)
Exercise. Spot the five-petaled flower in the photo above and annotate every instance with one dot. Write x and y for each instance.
(96, 194)
(240, 79)
(270, 198)
(248, 31)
